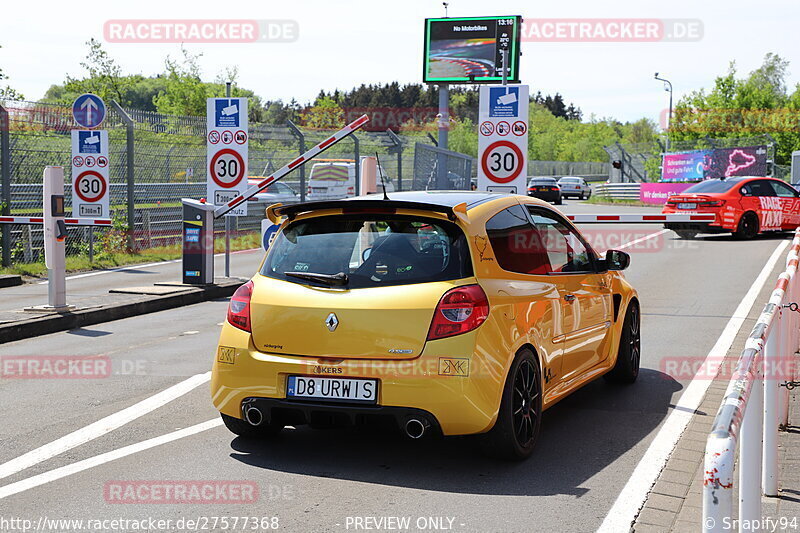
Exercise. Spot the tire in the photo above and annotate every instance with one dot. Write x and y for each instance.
(243, 429)
(583, 196)
(559, 201)
(686, 233)
(626, 369)
(748, 226)
(519, 418)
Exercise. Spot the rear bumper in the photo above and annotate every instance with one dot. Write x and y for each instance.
(458, 404)
(553, 196)
(296, 413)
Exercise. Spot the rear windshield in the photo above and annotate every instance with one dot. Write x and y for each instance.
(371, 250)
(543, 181)
(570, 180)
(713, 186)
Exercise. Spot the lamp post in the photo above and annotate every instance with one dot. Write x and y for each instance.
(668, 88)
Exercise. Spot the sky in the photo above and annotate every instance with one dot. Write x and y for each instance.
(344, 44)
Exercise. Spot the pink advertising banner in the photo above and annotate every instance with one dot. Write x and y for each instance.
(657, 193)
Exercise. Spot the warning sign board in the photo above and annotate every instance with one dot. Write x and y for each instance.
(90, 173)
(226, 152)
(503, 143)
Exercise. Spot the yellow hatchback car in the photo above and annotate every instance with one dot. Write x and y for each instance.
(439, 312)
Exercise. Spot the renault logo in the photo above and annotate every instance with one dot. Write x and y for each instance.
(331, 321)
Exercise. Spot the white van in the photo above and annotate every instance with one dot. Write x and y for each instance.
(331, 179)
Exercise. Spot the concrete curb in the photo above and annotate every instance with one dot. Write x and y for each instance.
(10, 280)
(44, 325)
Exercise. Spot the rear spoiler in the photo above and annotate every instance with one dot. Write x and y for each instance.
(354, 206)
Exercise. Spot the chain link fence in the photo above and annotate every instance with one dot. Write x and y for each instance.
(155, 160)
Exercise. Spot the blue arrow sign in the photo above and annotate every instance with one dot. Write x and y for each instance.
(89, 110)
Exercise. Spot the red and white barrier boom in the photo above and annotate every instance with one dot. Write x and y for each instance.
(55, 231)
(286, 169)
(643, 219)
(198, 217)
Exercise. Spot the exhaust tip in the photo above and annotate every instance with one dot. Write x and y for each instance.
(253, 416)
(415, 428)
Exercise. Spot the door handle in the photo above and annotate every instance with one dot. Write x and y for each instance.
(569, 297)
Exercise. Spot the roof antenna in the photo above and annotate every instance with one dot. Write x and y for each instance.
(380, 172)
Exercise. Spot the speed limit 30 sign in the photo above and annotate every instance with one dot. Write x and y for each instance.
(227, 151)
(90, 173)
(503, 138)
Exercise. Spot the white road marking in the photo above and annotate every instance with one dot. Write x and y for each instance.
(146, 265)
(633, 496)
(80, 466)
(642, 239)
(102, 426)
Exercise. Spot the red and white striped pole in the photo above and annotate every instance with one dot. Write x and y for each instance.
(286, 169)
(643, 219)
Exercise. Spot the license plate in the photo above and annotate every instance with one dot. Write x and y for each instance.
(340, 389)
(687, 206)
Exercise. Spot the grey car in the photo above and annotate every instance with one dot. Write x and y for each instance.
(574, 186)
(275, 193)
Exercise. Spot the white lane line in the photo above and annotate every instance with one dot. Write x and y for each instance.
(633, 496)
(102, 426)
(80, 466)
(642, 239)
(137, 267)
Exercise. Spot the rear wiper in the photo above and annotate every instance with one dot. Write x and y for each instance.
(330, 279)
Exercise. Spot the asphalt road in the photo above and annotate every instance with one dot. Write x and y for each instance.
(325, 480)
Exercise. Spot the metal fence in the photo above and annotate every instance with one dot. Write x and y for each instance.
(155, 160)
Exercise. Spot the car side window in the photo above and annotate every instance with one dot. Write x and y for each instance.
(566, 251)
(758, 188)
(517, 245)
(783, 190)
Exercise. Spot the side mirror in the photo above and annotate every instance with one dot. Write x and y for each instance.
(617, 260)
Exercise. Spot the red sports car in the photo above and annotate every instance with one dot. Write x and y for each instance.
(744, 206)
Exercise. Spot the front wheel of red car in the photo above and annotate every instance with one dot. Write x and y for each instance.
(748, 226)
(519, 419)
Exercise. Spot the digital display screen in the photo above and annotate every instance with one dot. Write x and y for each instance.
(715, 163)
(468, 50)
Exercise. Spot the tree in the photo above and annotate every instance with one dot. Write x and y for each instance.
(103, 77)
(184, 91)
(325, 114)
(743, 106)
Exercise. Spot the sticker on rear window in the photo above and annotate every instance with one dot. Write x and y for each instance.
(301, 267)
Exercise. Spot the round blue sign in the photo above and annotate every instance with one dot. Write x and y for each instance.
(268, 233)
(88, 110)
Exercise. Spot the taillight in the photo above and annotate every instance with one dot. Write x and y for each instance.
(714, 203)
(309, 190)
(460, 310)
(239, 307)
(351, 190)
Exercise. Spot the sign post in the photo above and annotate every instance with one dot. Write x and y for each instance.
(503, 139)
(90, 177)
(227, 151)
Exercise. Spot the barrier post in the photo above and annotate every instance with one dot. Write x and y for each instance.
(750, 452)
(5, 183)
(769, 474)
(55, 231)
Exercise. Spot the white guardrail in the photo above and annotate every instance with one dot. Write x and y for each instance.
(755, 404)
(617, 191)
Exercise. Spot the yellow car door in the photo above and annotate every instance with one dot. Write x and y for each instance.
(586, 302)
